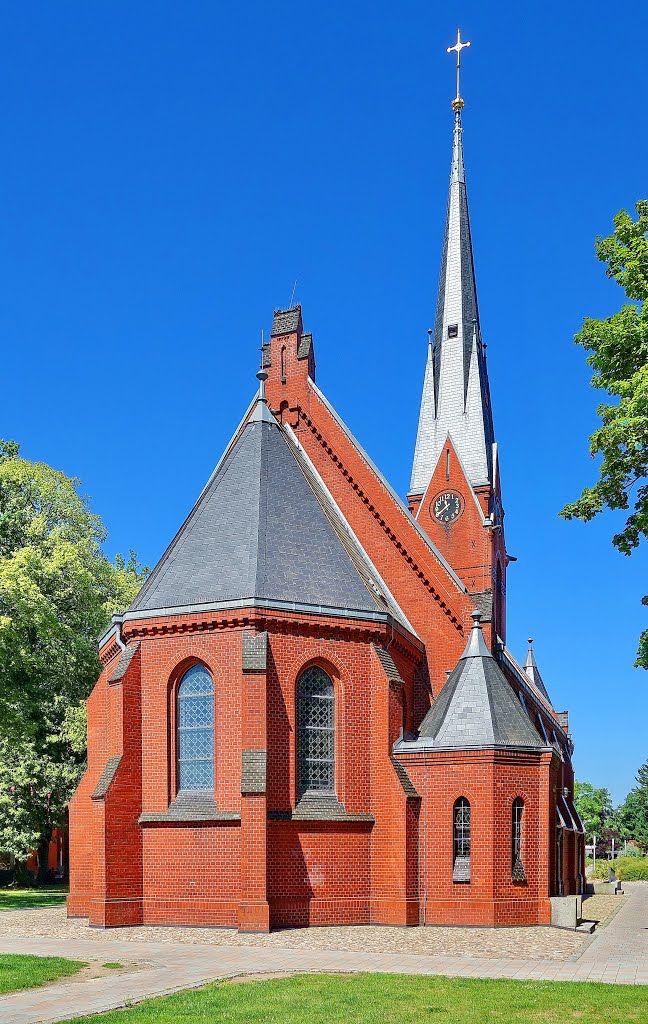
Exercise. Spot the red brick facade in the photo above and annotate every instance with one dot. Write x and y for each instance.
(256, 860)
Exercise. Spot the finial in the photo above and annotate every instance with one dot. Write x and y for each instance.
(262, 377)
(430, 334)
(476, 645)
(457, 102)
(530, 641)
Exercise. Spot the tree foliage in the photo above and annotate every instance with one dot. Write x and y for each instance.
(632, 815)
(594, 807)
(619, 358)
(57, 592)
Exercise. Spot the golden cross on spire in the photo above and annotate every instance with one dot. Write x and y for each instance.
(457, 102)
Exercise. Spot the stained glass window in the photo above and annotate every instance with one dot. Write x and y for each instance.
(315, 732)
(461, 841)
(196, 730)
(516, 841)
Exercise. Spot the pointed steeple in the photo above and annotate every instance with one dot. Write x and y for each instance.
(533, 672)
(456, 396)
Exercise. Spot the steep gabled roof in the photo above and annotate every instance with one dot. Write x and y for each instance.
(398, 504)
(262, 530)
(476, 707)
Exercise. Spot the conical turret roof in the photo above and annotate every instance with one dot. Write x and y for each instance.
(477, 707)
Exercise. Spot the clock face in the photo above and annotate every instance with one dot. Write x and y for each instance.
(447, 507)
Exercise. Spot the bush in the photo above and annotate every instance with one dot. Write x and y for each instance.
(628, 869)
(633, 851)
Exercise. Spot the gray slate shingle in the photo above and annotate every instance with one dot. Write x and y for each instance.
(477, 707)
(259, 531)
(124, 662)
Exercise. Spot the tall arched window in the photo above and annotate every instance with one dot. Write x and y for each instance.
(461, 840)
(315, 732)
(517, 867)
(195, 739)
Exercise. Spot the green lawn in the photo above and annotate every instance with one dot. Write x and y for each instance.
(19, 972)
(16, 899)
(383, 998)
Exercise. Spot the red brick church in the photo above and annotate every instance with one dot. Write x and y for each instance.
(309, 714)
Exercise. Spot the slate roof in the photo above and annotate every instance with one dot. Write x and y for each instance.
(265, 529)
(476, 707)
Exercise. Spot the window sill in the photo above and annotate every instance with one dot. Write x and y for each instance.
(319, 808)
(188, 807)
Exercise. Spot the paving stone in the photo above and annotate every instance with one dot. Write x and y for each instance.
(171, 959)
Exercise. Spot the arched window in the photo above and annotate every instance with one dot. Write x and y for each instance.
(315, 732)
(195, 740)
(517, 867)
(461, 840)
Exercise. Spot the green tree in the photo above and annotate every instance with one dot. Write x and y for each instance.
(594, 807)
(619, 358)
(57, 591)
(632, 815)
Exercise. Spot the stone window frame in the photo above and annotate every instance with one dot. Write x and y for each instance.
(302, 790)
(461, 840)
(518, 808)
(175, 679)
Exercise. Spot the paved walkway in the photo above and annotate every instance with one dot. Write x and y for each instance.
(617, 953)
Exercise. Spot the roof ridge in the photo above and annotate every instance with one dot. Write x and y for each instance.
(262, 501)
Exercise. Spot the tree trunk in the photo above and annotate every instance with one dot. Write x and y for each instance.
(43, 857)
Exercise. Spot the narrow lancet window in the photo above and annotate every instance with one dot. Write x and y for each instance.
(517, 866)
(195, 741)
(461, 841)
(315, 732)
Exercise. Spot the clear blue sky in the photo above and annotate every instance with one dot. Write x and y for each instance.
(170, 169)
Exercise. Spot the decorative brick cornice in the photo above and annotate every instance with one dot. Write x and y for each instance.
(174, 626)
(109, 653)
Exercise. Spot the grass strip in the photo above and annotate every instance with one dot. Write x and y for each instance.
(18, 972)
(383, 998)
(21, 899)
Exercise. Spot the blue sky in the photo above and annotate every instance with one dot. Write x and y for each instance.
(170, 169)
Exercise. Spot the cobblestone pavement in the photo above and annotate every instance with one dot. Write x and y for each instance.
(174, 958)
(550, 943)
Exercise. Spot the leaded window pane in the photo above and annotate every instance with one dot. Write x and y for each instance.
(461, 841)
(315, 732)
(516, 841)
(196, 730)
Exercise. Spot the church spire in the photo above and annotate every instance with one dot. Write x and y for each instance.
(456, 397)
